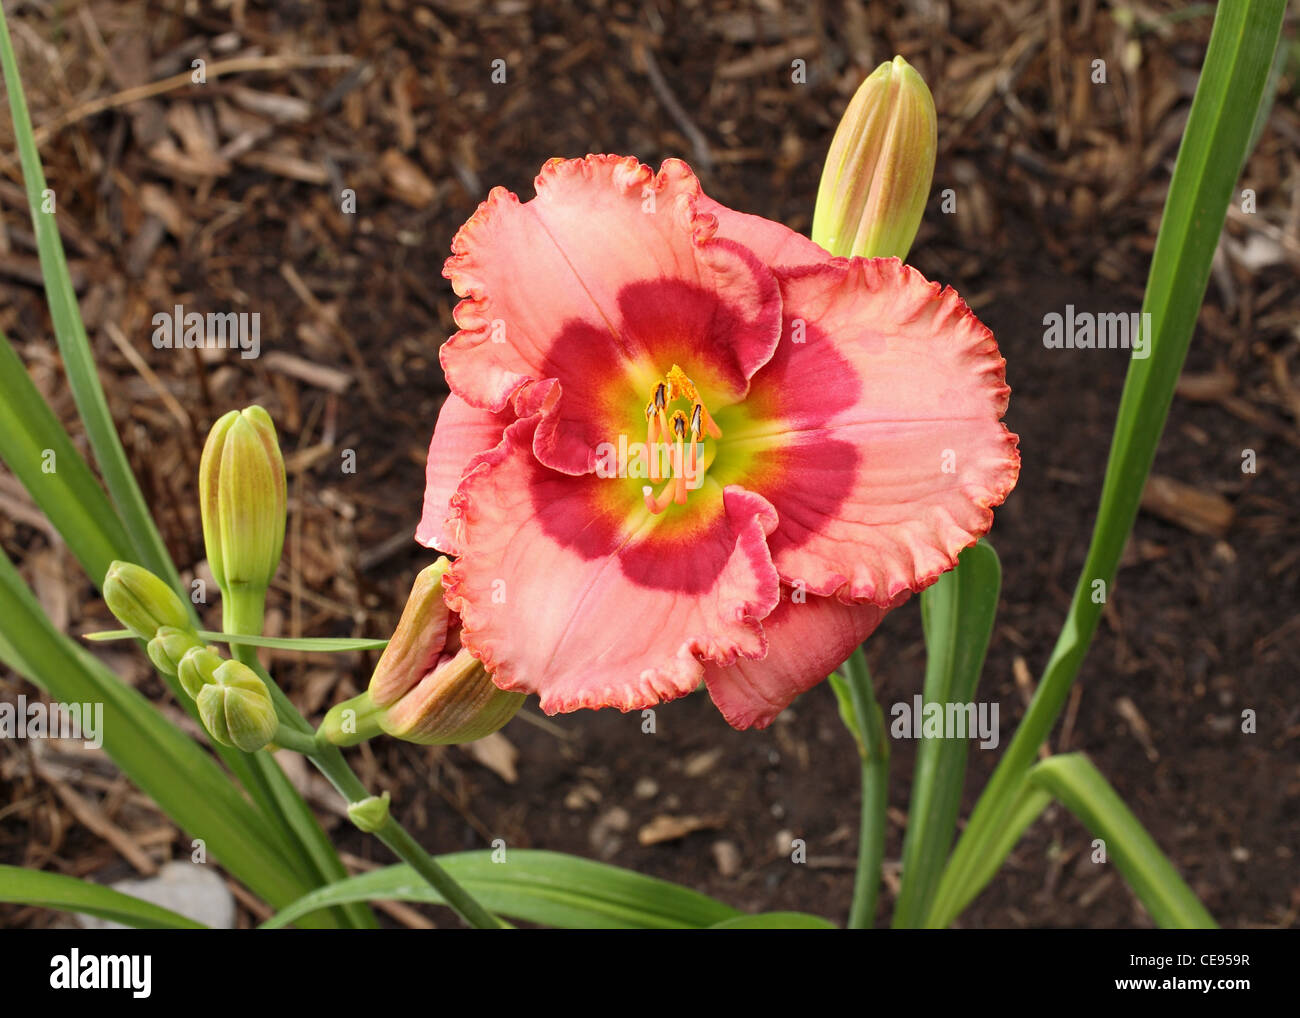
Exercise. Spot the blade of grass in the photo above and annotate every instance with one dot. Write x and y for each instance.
(776, 921)
(43, 458)
(1079, 786)
(70, 333)
(537, 886)
(335, 644)
(259, 773)
(1213, 150)
(1027, 804)
(957, 613)
(67, 492)
(21, 886)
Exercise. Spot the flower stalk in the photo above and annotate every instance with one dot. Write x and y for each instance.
(862, 716)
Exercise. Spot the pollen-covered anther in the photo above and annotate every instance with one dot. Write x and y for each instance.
(679, 458)
(675, 443)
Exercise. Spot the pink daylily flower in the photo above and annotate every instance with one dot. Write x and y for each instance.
(684, 443)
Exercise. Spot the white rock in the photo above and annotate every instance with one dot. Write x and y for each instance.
(196, 892)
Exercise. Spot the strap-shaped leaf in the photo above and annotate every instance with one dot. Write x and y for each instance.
(1213, 150)
(537, 886)
(958, 613)
(1080, 787)
(20, 886)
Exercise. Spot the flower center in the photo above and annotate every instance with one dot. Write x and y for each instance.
(675, 440)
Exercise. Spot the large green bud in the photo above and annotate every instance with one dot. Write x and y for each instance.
(877, 176)
(242, 497)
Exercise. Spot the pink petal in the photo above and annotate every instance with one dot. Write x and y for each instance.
(461, 434)
(805, 643)
(568, 589)
(883, 447)
(579, 300)
(775, 244)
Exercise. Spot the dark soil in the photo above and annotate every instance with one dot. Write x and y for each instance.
(1059, 185)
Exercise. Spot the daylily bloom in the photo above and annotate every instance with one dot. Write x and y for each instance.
(798, 443)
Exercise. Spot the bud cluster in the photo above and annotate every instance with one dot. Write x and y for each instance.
(232, 700)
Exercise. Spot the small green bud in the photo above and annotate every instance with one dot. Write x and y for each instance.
(370, 814)
(169, 645)
(877, 176)
(242, 500)
(141, 601)
(197, 668)
(236, 707)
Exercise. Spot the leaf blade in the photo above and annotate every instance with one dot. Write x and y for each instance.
(536, 886)
(21, 886)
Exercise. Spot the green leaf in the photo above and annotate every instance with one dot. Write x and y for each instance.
(42, 457)
(131, 526)
(536, 886)
(952, 896)
(20, 886)
(1213, 150)
(70, 332)
(310, 643)
(958, 613)
(1080, 787)
(776, 921)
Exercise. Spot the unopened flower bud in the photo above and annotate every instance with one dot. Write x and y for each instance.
(169, 646)
(242, 497)
(420, 637)
(370, 814)
(426, 688)
(877, 176)
(197, 668)
(456, 701)
(236, 707)
(141, 601)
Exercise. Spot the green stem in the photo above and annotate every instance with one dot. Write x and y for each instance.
(291, 738)
(343, 730)
(871, 841)
(242, 613)
(329, 761)
(868, 727)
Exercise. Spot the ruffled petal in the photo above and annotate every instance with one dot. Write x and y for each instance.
(568, 590)
(876, 430)
(775, 244)
(807, 639)
(579, 300)
(461, 434)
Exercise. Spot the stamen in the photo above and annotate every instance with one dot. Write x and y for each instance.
(681, 436)
(679, 460)
(709, 424)
(658, 505)
(652, 439)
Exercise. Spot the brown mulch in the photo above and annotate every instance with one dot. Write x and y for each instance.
(229, 196)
